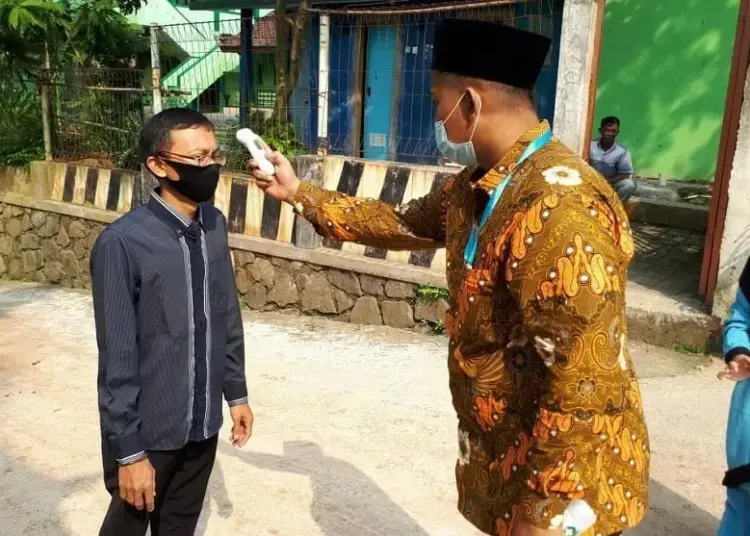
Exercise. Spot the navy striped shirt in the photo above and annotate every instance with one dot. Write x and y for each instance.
(168, 328)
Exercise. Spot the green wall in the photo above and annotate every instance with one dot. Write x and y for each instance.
(664, 71)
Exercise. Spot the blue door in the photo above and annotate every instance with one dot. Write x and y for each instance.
(547, 21)
(341, 86)
(381, 58)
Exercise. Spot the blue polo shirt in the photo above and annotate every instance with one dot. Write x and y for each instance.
(611, 163)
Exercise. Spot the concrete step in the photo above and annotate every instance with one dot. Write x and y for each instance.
(668, 322)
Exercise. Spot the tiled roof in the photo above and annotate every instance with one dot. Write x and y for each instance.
(264, 36)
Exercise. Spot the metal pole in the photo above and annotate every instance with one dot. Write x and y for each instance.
(323, 79)
(246, 64)
(46, 97)
(155, 69)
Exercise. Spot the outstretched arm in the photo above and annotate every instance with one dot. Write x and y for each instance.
(420, 224)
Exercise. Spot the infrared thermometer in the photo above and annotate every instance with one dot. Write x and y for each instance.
(257, 148)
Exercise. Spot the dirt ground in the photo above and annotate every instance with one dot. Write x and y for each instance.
(355, 434)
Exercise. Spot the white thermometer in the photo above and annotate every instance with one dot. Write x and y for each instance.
(578, 518)
(257, 148)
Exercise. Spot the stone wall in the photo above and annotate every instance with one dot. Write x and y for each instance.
(269, 283)
(52, 248)
(45, 247)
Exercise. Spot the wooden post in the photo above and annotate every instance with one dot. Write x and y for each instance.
(45, 95)
(155, 69)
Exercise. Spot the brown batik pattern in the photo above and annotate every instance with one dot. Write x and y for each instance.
(548, 405)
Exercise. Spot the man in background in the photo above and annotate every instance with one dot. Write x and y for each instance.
(612, 159)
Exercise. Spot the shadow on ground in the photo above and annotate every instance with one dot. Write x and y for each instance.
(345, 499)
(30, 500)
(16, 294)
(217, 501)
(672, 515)
(343, 495)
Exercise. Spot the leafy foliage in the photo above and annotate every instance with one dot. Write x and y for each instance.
(280, 137)
(82, 33)
(100, 125)
(71, 34)
(100, 36)
(128, 7)
(432, 293)
(435, 328)
(25, 27)
(20, 123)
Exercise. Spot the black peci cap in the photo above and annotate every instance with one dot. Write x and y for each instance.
(489, 51)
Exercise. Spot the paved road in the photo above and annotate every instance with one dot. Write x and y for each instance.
(355, 433)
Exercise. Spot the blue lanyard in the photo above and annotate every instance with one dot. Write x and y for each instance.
(470, 252)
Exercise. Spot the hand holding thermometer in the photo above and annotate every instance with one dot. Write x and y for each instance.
(257, 148)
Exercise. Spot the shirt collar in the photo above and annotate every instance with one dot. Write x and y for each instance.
(491, 179)
(169, 215)
(605, 151)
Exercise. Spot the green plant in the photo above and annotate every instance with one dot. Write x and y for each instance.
(280, 137)
(432, 293)
(685, 348)
(99, 125)
(100, 36)
(20, 123)
(435, 328)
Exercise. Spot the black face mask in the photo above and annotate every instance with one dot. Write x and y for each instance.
(196, 183)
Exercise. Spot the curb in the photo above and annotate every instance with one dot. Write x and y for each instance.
(666, 322)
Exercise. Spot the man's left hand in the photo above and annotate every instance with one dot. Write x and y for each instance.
(242, 429)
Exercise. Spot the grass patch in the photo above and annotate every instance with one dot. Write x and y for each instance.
(434, 328)
(689, 349)
(432, 293)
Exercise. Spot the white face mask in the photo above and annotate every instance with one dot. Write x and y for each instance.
(460, 153)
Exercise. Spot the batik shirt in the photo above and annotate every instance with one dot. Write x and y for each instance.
(548, 405)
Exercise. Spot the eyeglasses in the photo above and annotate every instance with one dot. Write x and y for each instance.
(218, 157)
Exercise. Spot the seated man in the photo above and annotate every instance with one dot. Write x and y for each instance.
(612, 159)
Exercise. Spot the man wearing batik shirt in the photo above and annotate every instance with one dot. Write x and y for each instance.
(538, 247)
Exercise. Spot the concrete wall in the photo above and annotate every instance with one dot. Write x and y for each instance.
(735, 242)
(664, 71)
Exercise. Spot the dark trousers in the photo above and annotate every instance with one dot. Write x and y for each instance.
(181, 482)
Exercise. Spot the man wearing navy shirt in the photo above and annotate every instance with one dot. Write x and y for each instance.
(169, 334)
(613, 159)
